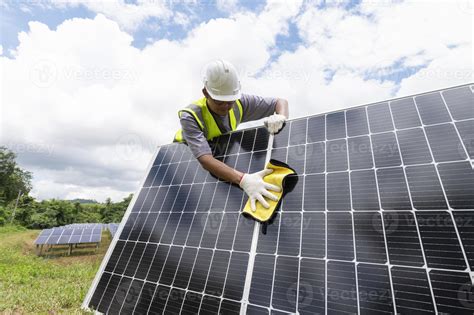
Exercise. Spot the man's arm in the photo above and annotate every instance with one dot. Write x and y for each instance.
(281, 107)
(220, 169)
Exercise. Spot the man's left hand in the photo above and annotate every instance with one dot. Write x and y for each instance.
(274, 123)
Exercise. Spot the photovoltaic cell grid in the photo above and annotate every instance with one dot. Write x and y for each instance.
(62, 236)
(184, 233)
(380, 220)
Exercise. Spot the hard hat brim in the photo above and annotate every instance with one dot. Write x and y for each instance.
(224, 98)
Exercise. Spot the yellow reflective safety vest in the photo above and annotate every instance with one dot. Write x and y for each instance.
(206, 121)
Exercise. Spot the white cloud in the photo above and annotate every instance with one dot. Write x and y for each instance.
(393, 31)
(453, 68)
(93, 108)
(103, 105)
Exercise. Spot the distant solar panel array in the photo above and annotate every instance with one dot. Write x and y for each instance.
(73, 234)
(112, 227)
(63, 236)
(86, 226)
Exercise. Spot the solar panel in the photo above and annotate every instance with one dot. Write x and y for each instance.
(379, 220)
(84, 226)
(112, 227)
(43, 237)
(63, 236)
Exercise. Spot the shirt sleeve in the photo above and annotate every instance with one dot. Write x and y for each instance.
(257, 107)
(194, 136)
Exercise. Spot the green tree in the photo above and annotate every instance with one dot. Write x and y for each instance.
(3, 215)
(12, 178)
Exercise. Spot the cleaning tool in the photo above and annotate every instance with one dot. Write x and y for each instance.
(277, 178)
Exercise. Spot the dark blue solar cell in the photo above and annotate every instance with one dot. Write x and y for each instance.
(248, 140)
(296, 158)
(466, 130)
(413, 146)
(385, 148)
(460, 102)
(445, 143)
(336, 155)
(286, 278)
(341, 281)
(369, 241)
(290, 234)
(311, 287)
(191, 303)
(432, 109)
(335, 125)
(403, 244)
(458, 182)
(357, 122)
(425, 188)
(234, 286)
(440, 242)
(217, 273)
(375, 293)
(339, 236)
(234, 143)
(315, 192)
(414, 283)
(298, 132)
(393, 189)
(262, 280)
(316, 129)
(281, 138)
(338, 191)
(313, 236)
(360, 153)
(261, 139)
(380, 118)
(315, 158)
(404, 113)
(364, 190)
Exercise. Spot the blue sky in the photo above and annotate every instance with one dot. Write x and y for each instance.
(15, 19)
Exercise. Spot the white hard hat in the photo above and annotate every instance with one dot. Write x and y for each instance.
(221, 81)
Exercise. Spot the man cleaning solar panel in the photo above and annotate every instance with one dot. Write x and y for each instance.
(221, 110)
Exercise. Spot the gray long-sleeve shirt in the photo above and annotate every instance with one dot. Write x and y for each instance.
(253, 107)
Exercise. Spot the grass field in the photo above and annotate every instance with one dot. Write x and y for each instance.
(53, 283)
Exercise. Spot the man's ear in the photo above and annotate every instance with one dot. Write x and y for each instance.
(204, 91)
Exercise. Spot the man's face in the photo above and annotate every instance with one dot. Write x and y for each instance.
(221, 108)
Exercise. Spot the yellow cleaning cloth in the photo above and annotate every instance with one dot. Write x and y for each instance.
(277, 178)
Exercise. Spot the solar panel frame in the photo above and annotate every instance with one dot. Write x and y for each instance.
(383, 214)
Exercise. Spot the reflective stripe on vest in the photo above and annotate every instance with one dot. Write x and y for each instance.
(206, 121)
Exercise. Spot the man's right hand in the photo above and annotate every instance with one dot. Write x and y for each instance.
(256, 188)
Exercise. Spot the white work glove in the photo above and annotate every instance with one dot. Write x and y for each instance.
(274, 123)
(256, 188)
